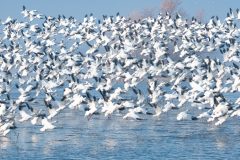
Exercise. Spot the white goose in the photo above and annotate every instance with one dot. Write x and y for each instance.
(46, 125)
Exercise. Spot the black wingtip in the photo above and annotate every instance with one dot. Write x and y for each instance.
(194, 118)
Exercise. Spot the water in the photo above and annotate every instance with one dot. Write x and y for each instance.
(115, 138)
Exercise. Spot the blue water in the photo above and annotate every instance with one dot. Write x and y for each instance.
(115, 138)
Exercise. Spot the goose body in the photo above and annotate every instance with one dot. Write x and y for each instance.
(46, 125)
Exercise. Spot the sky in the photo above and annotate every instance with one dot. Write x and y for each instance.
(78, 8)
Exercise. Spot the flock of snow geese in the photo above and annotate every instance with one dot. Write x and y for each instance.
(117, 66)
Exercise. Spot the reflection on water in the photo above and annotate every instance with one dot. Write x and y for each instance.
(110, 143)
(221, 143)
(115, 138)
(5, 142)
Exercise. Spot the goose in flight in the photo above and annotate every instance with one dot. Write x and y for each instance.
(46, 125)
(131, 115)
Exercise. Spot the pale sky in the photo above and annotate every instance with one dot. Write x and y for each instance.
(78, 8)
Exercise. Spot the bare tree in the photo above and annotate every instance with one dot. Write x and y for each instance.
(200, 15)
(135, 15)
(170, 6)
(182, 12)
(146, 12)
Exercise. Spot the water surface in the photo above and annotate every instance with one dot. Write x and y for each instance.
(115, 138)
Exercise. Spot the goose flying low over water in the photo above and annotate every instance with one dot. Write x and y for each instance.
(46, 125)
